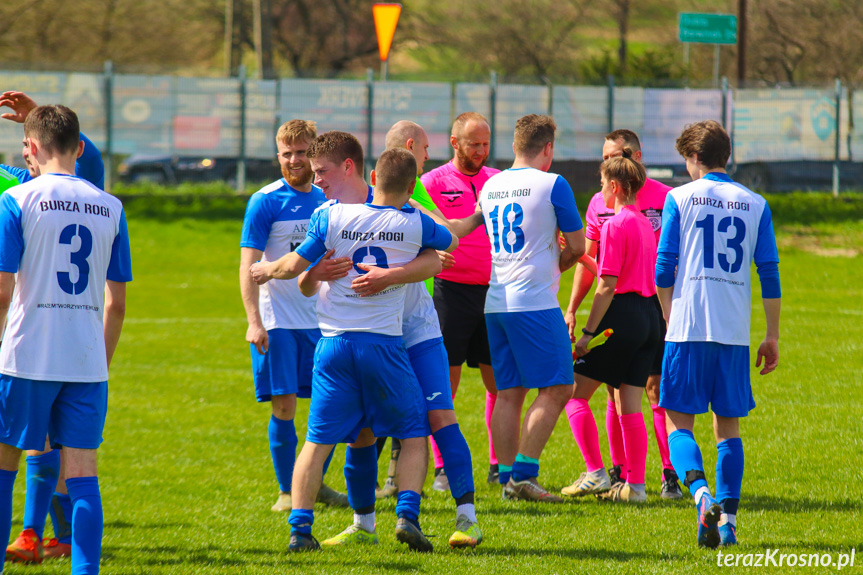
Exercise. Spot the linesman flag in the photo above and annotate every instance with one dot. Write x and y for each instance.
(386, 19)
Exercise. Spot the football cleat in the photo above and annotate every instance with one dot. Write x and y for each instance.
(670, 487)
(709, 513)
(409, 532)
(283, 503)
(529, 490)
(27, 548)
(614, 475)
(390, 489)
(727, 533)
(493, 474)
(353, 535)
(329, 496)
(467, 534)
(441, 482)
(589, 482)
(301, 542)
(54, 549)
(623, 492)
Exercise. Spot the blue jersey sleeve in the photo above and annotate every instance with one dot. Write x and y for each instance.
(434, 236)
(120, 266)
(568, 218)
(767, 256)
(257, 222)
(668, 250)
(11, 234)
(90, 166)
(20, 173)
(314, 246)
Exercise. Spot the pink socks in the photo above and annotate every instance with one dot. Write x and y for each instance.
(615, 438)
(661, 435)
(490, 400)
(635, 443)
(584, 431)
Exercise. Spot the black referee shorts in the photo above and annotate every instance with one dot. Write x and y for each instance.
(461, 311)
(627, 356)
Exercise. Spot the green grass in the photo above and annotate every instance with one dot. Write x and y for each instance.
(187, 479)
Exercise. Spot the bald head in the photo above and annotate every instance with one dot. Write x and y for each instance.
(410, 136)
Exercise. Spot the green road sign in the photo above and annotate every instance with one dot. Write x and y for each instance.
(708, 28)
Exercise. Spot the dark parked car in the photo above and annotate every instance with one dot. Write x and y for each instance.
(173, 170)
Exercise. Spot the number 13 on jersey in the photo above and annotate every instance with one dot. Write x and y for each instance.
(507, 232)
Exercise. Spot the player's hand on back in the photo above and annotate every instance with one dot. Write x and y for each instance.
(329, 268)
(257, 336)
(260, 272)
(374, 281)
(21, 103)
(446, 260)
(769, 352)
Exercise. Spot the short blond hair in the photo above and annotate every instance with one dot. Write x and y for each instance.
(532, 133)
(297, 131)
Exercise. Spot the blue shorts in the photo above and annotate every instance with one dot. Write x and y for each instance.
(696, 374)
(69, 414)
(364, 380)
(431, 366)
(529, 349)
(286, 368)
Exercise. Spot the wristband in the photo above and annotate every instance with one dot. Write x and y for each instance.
(590, 333)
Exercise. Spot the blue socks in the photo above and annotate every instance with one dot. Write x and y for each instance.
(504, 473)
(42, 473)
(729, 474)
(524, 468)
(61, 516)
(456, 459)
(87, 524)
(361, 466)
(408, 505)
(283, 448)
(685, 456)
(301, 521)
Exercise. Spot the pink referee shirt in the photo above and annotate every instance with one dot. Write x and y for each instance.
(456, 195)
(649, 201)
(628, 249)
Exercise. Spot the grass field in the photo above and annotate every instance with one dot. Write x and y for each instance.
(187, 480)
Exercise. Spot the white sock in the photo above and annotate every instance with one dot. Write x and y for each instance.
(638, 487)
(365, 522)
(728, 518)
(702, 491)
(466, 509)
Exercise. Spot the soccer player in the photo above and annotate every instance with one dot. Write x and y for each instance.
(338, 152)
(46, 491)
(460, 291)
(649, 201)
(362, 376)
(624, 303)
(283, 329)
(67, 241)
(524, 208)
(712, 230)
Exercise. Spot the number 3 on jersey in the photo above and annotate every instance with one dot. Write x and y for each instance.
(732, 243)
(511, 236)
(77, 258)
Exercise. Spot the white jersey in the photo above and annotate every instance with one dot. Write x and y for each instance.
(716, 228)
(64, 237)
(276, 221)
(421, 320)
(377, 235)
(523, 210)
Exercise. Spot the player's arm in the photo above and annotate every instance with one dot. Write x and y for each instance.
(286, 267)
(7, 287)
(568, 222)
(249, 291)
(766, 259)
(573, 250)
(326, 270)
(427, 264)
(90, 165)
(582, 280)
(115, 313)
(601, 300)
(667, 253)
